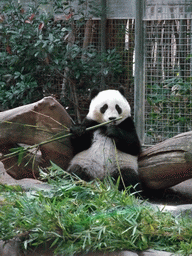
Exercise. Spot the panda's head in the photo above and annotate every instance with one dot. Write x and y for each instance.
(107, 105)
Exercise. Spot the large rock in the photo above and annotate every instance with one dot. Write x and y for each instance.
(26, 184)
(10, 248)
(33, 124)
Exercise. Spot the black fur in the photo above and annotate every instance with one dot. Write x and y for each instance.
(125, 138)
(94, 92)
(80, 172)
(82, 139)
(130, 177)
(124, 135)
(121, 90)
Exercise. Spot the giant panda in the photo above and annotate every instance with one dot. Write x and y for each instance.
(111, 150)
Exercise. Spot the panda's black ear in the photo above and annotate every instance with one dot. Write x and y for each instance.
(94, 92)
(121, 90)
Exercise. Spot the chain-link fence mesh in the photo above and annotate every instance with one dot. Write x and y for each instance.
(168, 62)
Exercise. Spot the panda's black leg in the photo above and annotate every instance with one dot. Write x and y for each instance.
(80, 172)
(128, 177)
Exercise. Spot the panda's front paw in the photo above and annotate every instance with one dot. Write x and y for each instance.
(111, 131)
(78, 130)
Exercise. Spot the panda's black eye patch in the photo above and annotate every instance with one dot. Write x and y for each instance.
(104, 108)
(119, 110)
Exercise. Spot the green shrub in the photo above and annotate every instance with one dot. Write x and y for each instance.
(36, 49)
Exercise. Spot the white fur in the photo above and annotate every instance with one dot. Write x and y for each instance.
(103, 159)
(111, 98)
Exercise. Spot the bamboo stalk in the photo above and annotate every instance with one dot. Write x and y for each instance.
(56, 139)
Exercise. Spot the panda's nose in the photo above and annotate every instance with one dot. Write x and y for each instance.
(112, 118)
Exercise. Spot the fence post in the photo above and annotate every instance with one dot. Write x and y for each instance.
(103, 37)
(139, 85)
(191, 50)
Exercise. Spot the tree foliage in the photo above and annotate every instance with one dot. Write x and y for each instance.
(36, 47)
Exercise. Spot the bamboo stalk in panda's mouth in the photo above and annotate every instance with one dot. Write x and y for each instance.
(99, 125)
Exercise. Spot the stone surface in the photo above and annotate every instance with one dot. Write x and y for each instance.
(155, 253)
(184, 188)
(26, 183)
(177, 210)
(5, 178)
(122, 253)
(52, 118)
(176, 195)
(10, 248)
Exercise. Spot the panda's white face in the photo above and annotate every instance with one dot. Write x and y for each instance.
(108, 105)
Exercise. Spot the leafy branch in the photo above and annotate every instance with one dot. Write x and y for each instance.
(22, 150)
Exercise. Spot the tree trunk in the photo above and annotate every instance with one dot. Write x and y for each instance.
(167, 163)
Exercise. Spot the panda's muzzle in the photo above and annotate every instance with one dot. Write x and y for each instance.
(111, 119)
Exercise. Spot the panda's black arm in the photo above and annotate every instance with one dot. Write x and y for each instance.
(125, 137)
(81, 139)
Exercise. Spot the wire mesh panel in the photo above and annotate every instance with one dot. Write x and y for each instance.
(168, 69)
(121, 36)
(83, 32)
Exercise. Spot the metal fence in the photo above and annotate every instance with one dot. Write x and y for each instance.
(120, 31)
(154, 38)
(167, 68)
